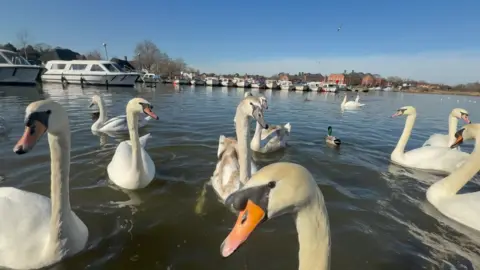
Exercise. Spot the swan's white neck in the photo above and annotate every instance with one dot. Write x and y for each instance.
(242, 130)
(102, 118)
(137, 162)
(344, 100)
(313, 235)
(407, 130)
(452, 128)
(256, 142)
(60, 197)
(357, 99)
(450, 185)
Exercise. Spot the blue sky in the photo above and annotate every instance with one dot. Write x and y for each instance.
(423, 39)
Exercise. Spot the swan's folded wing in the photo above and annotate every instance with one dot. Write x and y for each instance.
(116, 123)
(436, 158)
(121, 160)
(464, 208)
(144, 139)
(437, 140)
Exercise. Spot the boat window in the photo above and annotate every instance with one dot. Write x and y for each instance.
(96, 68)
(15, 58)
(110, 67)
(78, 67)
(3, 60)
(58, 66)
(118, 66)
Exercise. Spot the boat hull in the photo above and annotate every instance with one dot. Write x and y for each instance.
(121, 79)
(19, 75)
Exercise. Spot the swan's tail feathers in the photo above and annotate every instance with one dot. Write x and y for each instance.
(361, 105)
(144, 139)
(201, 200)
(288, 127)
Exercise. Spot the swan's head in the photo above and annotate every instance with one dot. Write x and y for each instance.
(40, 117)
(253, 107)
(276, 189)
(406, 110)
(96, 99)
(468, 132)
(140, 105)
(461, 114)
(248, 94)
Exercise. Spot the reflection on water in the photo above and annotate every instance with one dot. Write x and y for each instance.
(379, 217)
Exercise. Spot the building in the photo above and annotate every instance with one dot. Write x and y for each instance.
(337, 78)
(368, 80)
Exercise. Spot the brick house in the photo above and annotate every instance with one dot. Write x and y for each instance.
(337, 78)
(368, 80)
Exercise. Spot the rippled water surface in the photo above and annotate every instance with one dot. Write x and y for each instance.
(379, 216)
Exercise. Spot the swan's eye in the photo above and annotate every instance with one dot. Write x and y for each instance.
(271, 184)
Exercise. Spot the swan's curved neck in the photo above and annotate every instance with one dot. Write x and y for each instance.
(451, 184)
(60, 197)
(102, 118)
(357, 99)
(132, 122)
(452, 128)
(313, 235)
(256, 142)
(407, 130)
(344, 100)
(242, 132)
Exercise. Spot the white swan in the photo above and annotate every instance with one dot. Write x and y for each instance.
(445, 140)
(463, 208)
(278, 189)
(37, 231)
(115, 124)
(131, 166)
(440, 159)
(272, 139)
(350, 104)
(235, 165)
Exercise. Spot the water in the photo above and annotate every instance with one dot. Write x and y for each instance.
(379, 216)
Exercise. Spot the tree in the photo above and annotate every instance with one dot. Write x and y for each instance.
(148, 55)
(23, 40)
(93, 55)
(42, 47)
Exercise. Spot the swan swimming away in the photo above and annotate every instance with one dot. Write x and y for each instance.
(434, 158)
(114, 124)
(446, 140)
(37, 231)
(463, 208)
(131, 166)
(351, 104)
(277, 189)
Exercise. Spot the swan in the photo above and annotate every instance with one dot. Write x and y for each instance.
(440, 159)
(131, 166)
(350, 104)
(278, 189)
(115, 124)
(272, 139)
(235, 166)
(462, 208)
(330, 139)
(447, 140)
(37, 231)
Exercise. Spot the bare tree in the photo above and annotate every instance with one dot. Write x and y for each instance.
(23, 40)
(93, 55)
(148, 55)
(42, 47)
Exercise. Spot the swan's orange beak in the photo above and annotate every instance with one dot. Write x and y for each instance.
(149, 112)
(30, 137)
(466, 119)
(247, 221)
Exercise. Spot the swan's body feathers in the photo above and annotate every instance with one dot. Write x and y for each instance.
(439, 140)
(25, 225)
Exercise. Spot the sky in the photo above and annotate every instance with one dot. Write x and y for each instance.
(437, 41)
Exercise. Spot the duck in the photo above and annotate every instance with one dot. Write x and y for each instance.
(116, 124)
(433, 158)
(462, 208)
(235, 165)
(131, 167)
(445, 140)
(38, 231)
(272, 139)
(279, 189)
(332, 140)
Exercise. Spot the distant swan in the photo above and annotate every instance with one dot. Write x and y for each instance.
(350, 104)
(114, 124)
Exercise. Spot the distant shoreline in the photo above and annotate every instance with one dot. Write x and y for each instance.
(442, 92)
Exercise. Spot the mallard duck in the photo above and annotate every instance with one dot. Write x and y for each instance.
(332, 139)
